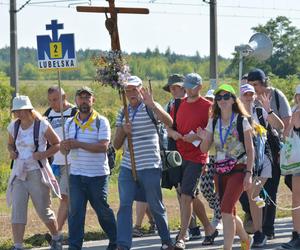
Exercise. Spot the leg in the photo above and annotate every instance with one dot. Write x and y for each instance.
(150, 181)
(62, 213)
(97, 195)
(185, 214)
(140, 209)
(76, 218)
(228, 229)
(127, 188)
(296, 203)
(271, 187)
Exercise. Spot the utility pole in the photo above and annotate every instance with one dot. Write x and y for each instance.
(14, 67)
(213, 65)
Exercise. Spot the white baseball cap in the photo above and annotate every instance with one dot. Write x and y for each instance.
(21, 102)
(245, 88)
(134, 81)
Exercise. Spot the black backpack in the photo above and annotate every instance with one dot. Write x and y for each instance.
(36, 132)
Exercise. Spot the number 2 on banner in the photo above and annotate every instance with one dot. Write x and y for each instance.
(55, 50)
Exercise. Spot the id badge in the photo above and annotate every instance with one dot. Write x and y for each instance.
(220, 156)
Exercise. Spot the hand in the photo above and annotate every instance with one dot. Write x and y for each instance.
(127, 128)
(264, 99)
(247, 181)
(69, 144)
(201, 133)
(190, 138)
(13, 154)
(147, 97)
(176, 136)
(38, 156)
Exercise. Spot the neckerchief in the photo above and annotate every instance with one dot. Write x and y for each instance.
(86, 123)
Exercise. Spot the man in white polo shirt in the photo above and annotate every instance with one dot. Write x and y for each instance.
(88, 136)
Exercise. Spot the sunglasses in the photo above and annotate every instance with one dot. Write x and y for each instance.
(225, 97)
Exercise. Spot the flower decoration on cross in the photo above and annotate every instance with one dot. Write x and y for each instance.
(112, 69)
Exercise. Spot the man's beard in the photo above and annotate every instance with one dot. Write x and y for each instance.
(84, 108)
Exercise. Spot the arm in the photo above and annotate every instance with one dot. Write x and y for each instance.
(290, 125)
(275, 121)
(207, 139)
(286, 122)
(174, 134)
(119, 138)
(11, 148)
(250, 158)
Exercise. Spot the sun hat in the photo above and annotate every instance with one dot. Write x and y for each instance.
(175, 80)
(192, 80)
(84, 89)
(210, 94)
(256, 75)
(21, 102)
(225, 87)
(134, 81)
(245, 88)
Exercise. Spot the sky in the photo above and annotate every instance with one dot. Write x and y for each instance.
(181, 25)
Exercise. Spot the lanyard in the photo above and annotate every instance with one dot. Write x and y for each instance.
(223, 142)
(83, 122)
(134, 111)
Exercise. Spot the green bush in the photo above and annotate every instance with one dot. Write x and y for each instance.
(4, 175)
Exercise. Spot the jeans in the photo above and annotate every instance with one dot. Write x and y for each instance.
(271, 187)
(149, 179)
(94, 190)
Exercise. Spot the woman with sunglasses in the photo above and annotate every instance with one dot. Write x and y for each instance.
(234, 161)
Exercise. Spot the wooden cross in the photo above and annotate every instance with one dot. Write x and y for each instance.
(111, 24)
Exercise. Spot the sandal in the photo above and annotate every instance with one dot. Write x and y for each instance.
(209, 239)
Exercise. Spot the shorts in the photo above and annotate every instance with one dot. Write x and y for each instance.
(38, 192)
(62, 179)
(191, 172)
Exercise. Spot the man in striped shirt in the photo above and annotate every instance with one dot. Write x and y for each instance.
(147, 159)
(88, 135)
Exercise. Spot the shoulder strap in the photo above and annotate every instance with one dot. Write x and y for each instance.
(239, 127)
(36, 132)
(260, 117)
(74, 111)
(151, 115)
(47, 112)
(98, 123)
(177, 103)
(16, 130)
(277, 99)
(214, 124)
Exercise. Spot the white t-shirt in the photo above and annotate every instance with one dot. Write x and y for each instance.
(56, 122)
(84, 162)
(25, 143)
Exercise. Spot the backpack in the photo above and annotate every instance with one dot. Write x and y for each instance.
(46, 114)
(36, 132)
(111, 152)
(258, 144)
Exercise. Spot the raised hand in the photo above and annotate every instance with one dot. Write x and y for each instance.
(147, 97)
(264, 99)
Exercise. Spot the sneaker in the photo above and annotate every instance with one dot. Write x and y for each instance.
(216, 223)
(186, 237)
(179, 245)
(259, 239)
(152, 228)
(137, 232)
(294, 243)
(246, 244)
(57, 244)
(167, 247)
(270, 236)
(194, 233)
(248, 223)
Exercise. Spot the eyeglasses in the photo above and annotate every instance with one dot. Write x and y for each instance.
(225, 97)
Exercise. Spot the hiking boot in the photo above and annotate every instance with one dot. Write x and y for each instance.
(194, 233)
(248, 223)
(179, 245)
(57, 244)
(167, 247)
(259, 239)
(294, 243)
(246, 244)
(137, 231)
